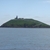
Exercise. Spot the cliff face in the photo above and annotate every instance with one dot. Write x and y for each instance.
(25, 23)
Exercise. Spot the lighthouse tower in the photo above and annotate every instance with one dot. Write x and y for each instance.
(16, 17)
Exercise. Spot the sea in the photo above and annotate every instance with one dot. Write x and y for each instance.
(24, 38)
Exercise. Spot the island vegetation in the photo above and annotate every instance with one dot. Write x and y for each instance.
(25, 23)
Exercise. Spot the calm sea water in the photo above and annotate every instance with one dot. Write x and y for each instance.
(24, 39)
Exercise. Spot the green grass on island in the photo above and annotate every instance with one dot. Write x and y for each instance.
(25, 23)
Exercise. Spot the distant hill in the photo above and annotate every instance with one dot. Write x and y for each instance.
(25, 23)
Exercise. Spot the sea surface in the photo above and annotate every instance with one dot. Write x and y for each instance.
(24, 38)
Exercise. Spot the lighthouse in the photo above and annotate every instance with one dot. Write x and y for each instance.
(16, 17)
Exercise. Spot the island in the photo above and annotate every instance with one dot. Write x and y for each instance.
(24, 23)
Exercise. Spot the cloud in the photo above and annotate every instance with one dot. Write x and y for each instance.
(47, 1)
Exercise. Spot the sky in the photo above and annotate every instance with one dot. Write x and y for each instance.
(35, 9)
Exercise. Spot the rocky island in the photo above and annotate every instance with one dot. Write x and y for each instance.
(24, 23)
